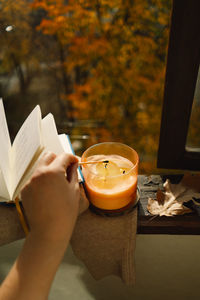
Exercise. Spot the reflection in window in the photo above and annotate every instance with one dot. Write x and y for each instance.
(98, 66)
(193, 138)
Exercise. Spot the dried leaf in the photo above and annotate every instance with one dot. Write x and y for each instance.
(175, 208)
(171, 201)
(160, 196)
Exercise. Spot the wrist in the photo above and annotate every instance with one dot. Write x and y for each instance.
(55, 231)
(47, 240)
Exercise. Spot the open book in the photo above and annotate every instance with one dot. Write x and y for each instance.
(17, 161)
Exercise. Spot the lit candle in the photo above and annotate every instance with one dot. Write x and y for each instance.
(111, 185)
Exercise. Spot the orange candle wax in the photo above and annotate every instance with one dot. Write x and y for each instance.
(111, 185)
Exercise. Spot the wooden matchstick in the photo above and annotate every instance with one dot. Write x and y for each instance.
(93, 162)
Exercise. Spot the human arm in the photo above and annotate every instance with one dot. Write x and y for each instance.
(51, 205)
(10, 227)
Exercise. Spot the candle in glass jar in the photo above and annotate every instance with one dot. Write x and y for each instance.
(110, 185)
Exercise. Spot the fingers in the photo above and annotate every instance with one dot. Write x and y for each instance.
(46, 159)
(63, 161)
(71, 173)
(78, 157)
(84, 203)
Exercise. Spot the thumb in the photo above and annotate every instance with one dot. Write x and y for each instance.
(72, 174)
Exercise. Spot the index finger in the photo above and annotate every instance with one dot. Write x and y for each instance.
(63, 161)
(46, 158)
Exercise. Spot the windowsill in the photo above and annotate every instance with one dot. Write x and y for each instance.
(147, 224)
(11, 230)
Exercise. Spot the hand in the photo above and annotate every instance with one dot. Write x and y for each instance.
(51, 203)
(51, 197)
(84, 203)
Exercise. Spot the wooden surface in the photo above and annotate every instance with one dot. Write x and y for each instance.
(148, 224)
(11, 230)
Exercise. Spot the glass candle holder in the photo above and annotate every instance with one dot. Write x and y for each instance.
(111, 182)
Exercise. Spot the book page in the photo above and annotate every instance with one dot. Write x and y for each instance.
(29, 172)
(67, 146)
(5, 146)
(54, 142)
(4, 194)
(50, 137)
(26, 144)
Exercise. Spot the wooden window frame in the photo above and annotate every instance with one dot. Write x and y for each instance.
(181, 74)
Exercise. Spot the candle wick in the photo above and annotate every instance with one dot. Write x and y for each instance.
(106, 163)
(124, 172)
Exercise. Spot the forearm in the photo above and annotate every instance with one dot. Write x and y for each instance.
(51, 203)
(33, 272)
(10, 227)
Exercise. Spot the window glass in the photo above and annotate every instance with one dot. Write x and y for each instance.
(193, 138)
(98, 66)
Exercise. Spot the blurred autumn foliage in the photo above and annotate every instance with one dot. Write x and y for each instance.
(106, 56)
